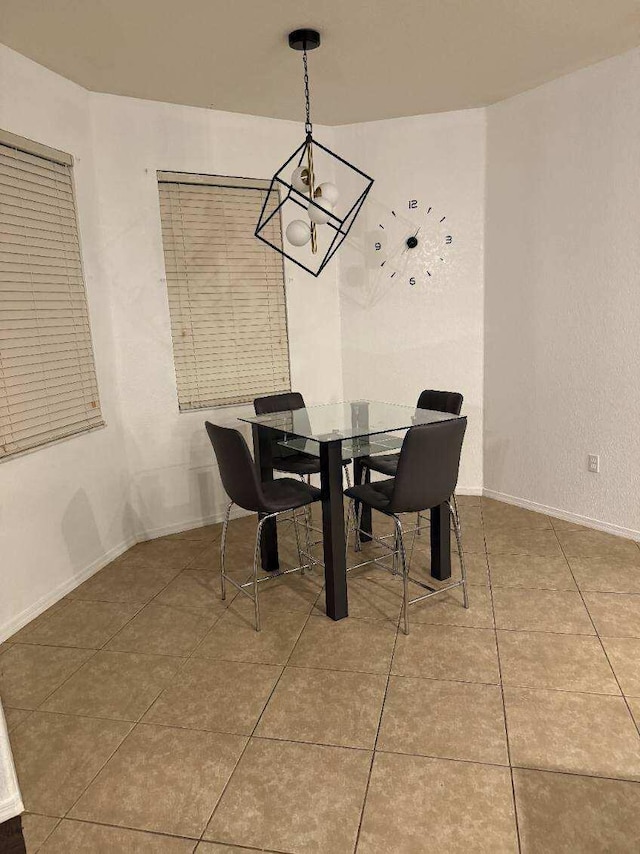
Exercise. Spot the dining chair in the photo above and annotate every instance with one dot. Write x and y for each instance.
(439, 401)
(288, 461)
(269, 499)
(426, 476)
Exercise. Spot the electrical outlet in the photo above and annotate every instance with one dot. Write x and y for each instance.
(593, 463)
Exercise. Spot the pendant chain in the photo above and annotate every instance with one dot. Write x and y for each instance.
(307, 124)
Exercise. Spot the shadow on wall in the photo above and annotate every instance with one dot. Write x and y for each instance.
(80, 532)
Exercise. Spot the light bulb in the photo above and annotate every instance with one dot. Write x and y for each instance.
(298, 232)
(319, 212)
(327, 191)
(300, 179)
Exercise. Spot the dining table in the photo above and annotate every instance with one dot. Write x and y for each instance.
(337, 432)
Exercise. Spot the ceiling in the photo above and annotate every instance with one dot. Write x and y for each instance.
(379, 58)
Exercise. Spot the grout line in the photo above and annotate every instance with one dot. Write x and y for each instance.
(504, 705)
(375, 743)
(250, 737)
(595, 628)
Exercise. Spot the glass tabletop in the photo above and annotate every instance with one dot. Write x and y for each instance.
(352, 419)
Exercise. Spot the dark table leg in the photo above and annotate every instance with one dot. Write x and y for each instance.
(333, 534)
(440, 542)
(263, 457)
(11, 838)
(365, 522)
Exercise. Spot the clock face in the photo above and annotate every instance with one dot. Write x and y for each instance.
(412, 243)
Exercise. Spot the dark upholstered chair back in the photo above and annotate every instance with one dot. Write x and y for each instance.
(278, 403)
(427, 471)
(441, 401)
(237, 468)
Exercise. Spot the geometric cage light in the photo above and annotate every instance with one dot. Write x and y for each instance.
(317, 193)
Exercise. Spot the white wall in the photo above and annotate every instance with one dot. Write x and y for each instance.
(169, 456)
(562, 294)
(398, 339)
(67, 509)
(63, 509)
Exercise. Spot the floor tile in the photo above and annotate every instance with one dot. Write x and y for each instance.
(28, 674)
(359, 645)
(581, 733)
(222, 696)
(415, 804)
(533, 571)
(208, 560)
(195, 592)
(541, 610)
(162, 779)
(325, 707)
(4, 647)
(634, 705)
(83, 624)
(473, 541)
(447, 652)
(163, 630)
(286, 593)
(35, 829)
(217, 848)
(80, 836)
(605, 575)
(560, 661)
(590, 544)
(162, 553)
(615, 614)
(566, 526)
(133, 585)
(272, 777)
(524, 541)
(13, 717)
(234, 638)
(57, 756)
(567, 814)
(118, 685)
(624, 656)
(499, 514)
(18, 636)
(371, 599)
(447, 608)
(451, 720)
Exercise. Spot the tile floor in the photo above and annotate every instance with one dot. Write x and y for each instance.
(146, 715)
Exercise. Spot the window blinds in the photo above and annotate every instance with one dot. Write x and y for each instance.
(226, 291)
(48, 387)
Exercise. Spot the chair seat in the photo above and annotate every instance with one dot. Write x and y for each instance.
(383, 463)
(286, 493)
(376, 495)
(300, 464)
(297, 464)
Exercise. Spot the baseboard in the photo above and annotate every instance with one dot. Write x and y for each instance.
(469, 490)
(61, 590)
(576, 518)
(179, 527)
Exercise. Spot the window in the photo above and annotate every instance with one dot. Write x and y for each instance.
(226, 291)
(48, 387)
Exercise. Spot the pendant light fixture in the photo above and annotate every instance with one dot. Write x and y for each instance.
(317, 193)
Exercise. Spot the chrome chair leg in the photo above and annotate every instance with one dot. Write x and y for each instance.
(347, 475)
(297, 532)
(223, 545)
(405, 574)
(463, 568)
(357, 546)
(256, 562)
(350, 514)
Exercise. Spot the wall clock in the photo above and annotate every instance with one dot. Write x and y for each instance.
(411, 243)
